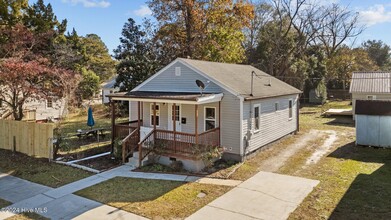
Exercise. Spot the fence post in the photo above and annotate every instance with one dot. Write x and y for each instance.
(14, 144)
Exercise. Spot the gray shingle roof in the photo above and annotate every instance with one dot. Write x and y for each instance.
(237, 77)
(370, 82)
(109, 84)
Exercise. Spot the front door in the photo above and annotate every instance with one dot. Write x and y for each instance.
(178, 115)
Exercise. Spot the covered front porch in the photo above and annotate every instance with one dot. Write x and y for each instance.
(176, 125)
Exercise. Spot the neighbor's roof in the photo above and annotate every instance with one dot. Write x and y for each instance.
(370, 82)
(237, 77)
(109, 84)
(373, 107)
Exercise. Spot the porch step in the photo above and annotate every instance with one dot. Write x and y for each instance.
(133, 161)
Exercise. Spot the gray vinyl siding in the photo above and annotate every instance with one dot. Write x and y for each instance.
(363, 96)
(163, 115)
(273, 124)
(230, 105)
(188, 112)
(167, 81)
(230, 123)
(133, 110)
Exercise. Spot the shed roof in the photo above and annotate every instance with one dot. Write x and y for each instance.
(237, 77)
(370, 82)
(373, 107)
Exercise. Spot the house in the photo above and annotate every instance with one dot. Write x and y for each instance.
(373, 123)
(237, 107)
(38, 110)
(370, 86)
(107, 88)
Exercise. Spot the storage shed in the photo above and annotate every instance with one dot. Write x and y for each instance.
(373, 123)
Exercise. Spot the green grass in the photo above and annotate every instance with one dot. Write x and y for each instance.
(39, 170)
(156, 199)
(27, 216)
(78, 120)
(4, 203)
(354, 181)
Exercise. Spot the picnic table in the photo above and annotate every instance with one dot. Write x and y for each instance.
(91, 132)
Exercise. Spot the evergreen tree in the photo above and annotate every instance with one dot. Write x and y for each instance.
(137, 60)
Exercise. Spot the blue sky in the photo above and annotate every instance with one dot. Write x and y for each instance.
(106, 17)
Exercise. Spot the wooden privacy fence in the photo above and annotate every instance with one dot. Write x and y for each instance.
(27, 137)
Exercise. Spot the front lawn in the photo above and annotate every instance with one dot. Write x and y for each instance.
(39, 170)
(156, 199)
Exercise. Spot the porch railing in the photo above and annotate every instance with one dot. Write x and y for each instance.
(122, 130)
(129, 144)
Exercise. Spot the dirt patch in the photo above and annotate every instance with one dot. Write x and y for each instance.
(324, 148)
(274, 163)
(101, 163)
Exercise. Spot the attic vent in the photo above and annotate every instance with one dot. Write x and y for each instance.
(177, 71)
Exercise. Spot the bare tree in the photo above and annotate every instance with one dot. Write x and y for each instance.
(339, 24)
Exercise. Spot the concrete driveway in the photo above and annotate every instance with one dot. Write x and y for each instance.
(264, 196)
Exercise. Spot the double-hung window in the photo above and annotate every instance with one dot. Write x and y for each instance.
(210, 118)
(49, 103)
(257, 117)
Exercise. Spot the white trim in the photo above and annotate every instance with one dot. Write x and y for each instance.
(151, 114)
(192, 68)
(215, 119)
(241, 150)
(169, 117)
(290, 109)
(201, 100)
(259, 118)
(373, 97)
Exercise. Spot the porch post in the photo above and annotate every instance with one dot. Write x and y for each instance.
(139, 125)
(154, 120)
(220, 123)
(174, 124)
(196, 124)
(138, 114)
(112, 124)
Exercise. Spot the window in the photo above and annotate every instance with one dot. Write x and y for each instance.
(371, 97)
(276, 106)
(290, 109)
(157, 115)
(177, 71)
(210, 118)
(49, 103)
(257, 118)
(177, 112)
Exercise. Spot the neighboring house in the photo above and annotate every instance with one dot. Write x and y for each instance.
(370, 86)
(38, 110)
(108, 88)
(172, 111)
(373, 123)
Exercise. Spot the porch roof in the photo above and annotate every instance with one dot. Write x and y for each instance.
(168, 97)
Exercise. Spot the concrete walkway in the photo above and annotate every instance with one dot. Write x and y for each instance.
(60, 203)
(264, 196)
